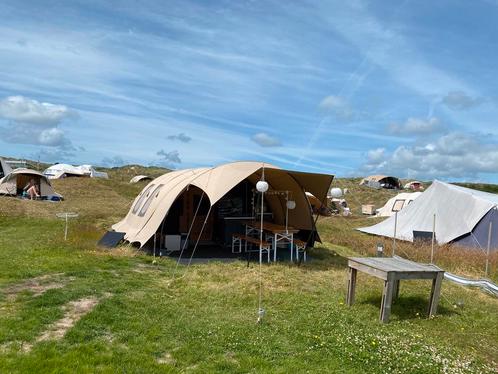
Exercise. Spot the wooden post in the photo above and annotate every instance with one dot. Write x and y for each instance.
(351, 286)
(396, 289)
(488, 249)
(395, 229)
(435, 292)
(387, 298)
(433, 238)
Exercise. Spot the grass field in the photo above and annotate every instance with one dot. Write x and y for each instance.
(71, 307)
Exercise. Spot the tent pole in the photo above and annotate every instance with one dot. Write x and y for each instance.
(433, 238)
(395, 229)
(489, 247)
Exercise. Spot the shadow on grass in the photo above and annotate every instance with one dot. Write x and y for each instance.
(409, 307)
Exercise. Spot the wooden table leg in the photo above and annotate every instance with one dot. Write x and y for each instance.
(387, 297)
(396, 289)
(435, 292)
(351, 286)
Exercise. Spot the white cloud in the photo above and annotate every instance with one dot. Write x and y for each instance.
(455, 155)
(459, 100)
(265, 140)
(32, 122)
(417, 126)
(25, 110)
(337, 106)
(180, 137)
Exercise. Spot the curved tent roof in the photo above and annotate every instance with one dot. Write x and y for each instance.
(153, 203)
(139, 178)
(458, 210)
(8, 184)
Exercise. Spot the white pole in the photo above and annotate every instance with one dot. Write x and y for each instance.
(65, 230)
(395, 229)
(489, 247)
(433, 238)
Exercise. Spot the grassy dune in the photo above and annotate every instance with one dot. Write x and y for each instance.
(71, 307)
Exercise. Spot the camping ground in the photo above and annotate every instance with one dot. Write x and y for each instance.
(70, 306)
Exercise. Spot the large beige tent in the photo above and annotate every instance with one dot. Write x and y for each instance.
(14, 183)
(223, 196)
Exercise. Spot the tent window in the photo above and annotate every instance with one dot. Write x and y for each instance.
(139, 202)
(398, 205)
(152, 196)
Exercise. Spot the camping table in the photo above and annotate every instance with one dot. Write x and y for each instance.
(279, 232)
(392, 270)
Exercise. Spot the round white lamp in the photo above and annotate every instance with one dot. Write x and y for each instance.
(291, 204)
(336, 192)
(262, 186)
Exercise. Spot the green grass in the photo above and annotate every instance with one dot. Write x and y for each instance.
(205, 320)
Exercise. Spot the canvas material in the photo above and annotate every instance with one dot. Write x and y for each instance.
(216, 182)
(457, 209)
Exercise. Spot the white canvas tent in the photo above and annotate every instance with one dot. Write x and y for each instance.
(58, 171)
(397, 203)
(462, 217)
(14, 182)
(167, 203)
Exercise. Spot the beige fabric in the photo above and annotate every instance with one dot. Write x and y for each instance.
(139, 178)
(8, 184)
(140, 224)
(375, 178)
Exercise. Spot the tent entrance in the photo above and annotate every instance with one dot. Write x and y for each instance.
(23, 180)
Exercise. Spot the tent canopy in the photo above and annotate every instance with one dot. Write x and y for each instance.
(154, 202)
(14, 182)
(458, 212)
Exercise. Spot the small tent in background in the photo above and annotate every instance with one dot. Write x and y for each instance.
(59, 171)
(397, 203)
(462, 217)
(381, 181)
(14, 183)
(4, 168)
(414, 186)
(140, 178)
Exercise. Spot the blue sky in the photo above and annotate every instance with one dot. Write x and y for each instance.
(349, 88)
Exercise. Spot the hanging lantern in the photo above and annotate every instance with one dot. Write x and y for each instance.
(336, 192)
(262, 186)
(291, 204)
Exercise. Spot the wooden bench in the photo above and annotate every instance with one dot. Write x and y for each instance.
(238, 239)
(300, 248)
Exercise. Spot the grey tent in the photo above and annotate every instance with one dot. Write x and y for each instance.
(462, 214)
(4, 168)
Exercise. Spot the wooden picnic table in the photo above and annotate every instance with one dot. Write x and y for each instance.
(392, 270)
(279, 232)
